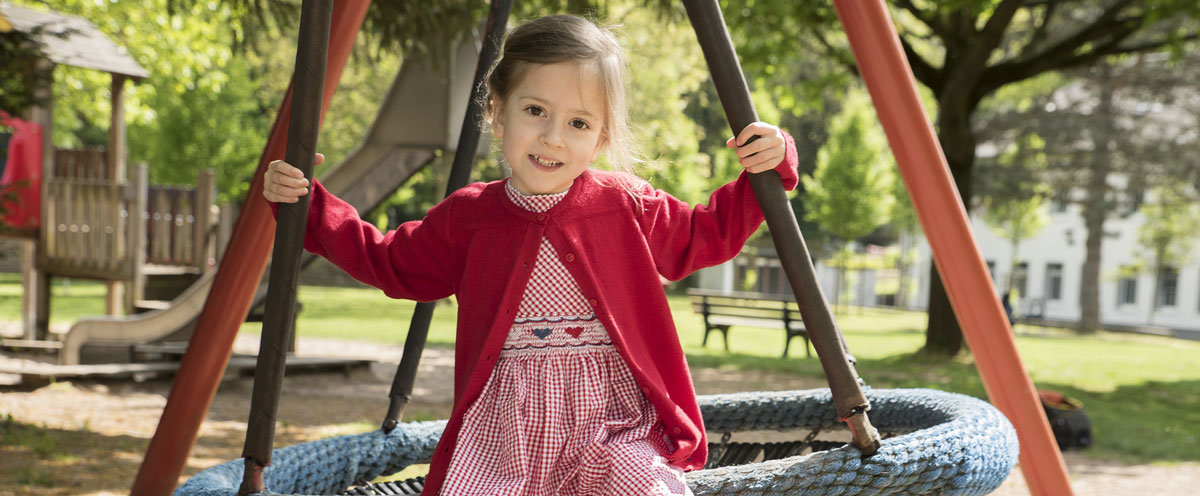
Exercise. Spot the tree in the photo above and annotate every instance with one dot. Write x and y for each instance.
(172, 119)
(21, 73)
(1014, 199)
(849, 191)
(964, 51)
(1169, 229)
(904, 220)
(1112, 131)
(1016, 220)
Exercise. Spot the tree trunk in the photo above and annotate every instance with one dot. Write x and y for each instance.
(1154, 296)
(1158, 266)
(1095, 210)
(1094, 213)
(1014, 261)
(943, 336)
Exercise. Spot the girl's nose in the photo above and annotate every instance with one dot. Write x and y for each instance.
(551, 136)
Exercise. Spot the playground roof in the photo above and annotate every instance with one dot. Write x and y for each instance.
(71, 40)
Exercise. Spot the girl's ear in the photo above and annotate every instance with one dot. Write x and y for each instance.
(496, 114)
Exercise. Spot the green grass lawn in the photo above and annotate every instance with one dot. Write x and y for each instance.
(1142, 393)
(69, 299)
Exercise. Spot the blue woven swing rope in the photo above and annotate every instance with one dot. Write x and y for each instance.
(955, 445)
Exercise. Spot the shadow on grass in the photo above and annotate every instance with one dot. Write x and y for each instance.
(1154, 421)
(37, 460)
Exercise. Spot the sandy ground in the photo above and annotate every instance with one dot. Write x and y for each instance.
(90, 436)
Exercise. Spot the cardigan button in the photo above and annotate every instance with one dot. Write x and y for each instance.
(592, 302)
(676, 430)
(570, 257)
(645, 390)
(541, 217)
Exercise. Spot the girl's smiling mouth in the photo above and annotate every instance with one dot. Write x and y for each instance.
(544, 163)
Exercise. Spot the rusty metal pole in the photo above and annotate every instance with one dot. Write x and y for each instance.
(313, 46)
(848, 398)
(460, 173)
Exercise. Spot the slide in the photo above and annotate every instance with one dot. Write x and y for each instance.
(412, 124)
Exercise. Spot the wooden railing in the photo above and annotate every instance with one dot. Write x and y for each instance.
(178, 223)
(86, 164)
(89, 230)
(86, 229)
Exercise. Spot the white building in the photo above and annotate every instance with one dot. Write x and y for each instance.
(1048, 279)
(1052, 264)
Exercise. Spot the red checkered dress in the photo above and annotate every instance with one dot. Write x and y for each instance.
(561, 414)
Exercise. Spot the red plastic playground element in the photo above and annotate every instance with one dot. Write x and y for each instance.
(927, 177)
(23, 168)
(233, 289)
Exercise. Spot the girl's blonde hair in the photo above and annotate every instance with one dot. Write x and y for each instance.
(562, 38)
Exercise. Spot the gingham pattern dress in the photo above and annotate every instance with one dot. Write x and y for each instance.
(561, 414)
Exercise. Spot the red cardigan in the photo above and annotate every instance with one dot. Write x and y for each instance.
(478, 245)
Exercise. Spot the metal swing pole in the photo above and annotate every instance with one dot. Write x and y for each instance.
(305, 122)
(848, 398)
(930, 185)
(460, 174)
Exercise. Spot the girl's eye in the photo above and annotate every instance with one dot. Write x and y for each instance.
(579, 124)
(535, 111)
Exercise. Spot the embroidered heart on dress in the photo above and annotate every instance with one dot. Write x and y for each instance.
(541, 332)
(574, 331)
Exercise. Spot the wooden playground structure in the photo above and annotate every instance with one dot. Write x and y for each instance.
(162, 286)
(97, 219)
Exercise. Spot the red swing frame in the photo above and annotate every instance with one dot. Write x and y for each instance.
(923, 167)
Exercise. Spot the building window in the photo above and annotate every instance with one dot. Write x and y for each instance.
(1168, 283)
(1054, 276)
(1058, 204)
(1018, 280)
(991, 265)
(1127, 290)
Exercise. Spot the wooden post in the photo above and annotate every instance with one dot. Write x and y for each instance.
(43, 115)
(29, 295)
(115, 167)
(135, 285)
(114, 171)
(202, 211)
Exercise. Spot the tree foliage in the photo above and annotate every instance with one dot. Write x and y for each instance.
(849, 195)
(1170, 227)
(172, 120)
(965, 51)
(21, 73)
(1112, 132)
(850, 189)
(1014, 201)
(1167, 235)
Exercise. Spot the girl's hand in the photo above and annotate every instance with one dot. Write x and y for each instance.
(762, 154)
(283, 183)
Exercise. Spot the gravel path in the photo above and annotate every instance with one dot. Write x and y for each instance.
(92, 434)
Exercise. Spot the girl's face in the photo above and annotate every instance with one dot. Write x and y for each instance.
(551, 126)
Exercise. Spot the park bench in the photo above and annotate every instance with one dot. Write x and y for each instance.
(722, 309)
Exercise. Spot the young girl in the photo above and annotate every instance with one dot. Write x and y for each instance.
(569, 376)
